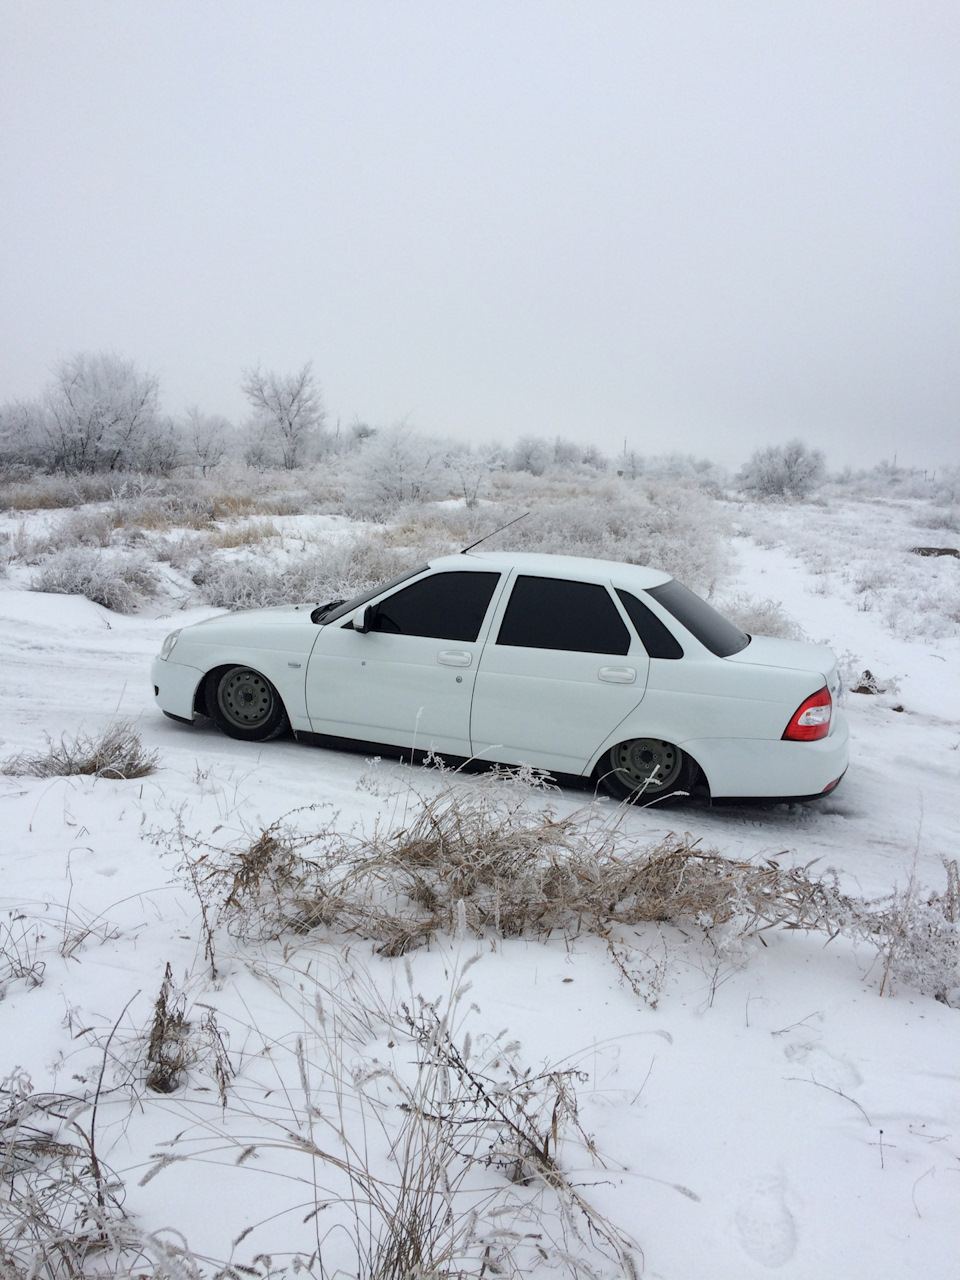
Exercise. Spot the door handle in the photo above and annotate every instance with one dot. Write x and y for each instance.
(618, 675)
(455, 657)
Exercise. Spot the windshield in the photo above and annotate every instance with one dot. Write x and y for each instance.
(331, 612)
(712, 629)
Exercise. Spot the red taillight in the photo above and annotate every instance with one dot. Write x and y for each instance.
(811, 720)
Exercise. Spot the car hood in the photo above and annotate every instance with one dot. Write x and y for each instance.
(790, 655)
(280, 615)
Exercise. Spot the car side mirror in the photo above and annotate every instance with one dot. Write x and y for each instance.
(369, 618)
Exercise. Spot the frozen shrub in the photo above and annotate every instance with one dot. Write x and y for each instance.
(946, 517)
(342, 568)
(117, 580)
(675, 527)
(82, 528)
(391, 468)
(783, 471)
(672, 466)
(469, 471)
(761, 617)
(530, 453)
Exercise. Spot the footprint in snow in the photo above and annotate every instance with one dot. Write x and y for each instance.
(824, 1067)
(765, 1225)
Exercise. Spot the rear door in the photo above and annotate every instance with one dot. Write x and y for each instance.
(409, 680)
(560, 671)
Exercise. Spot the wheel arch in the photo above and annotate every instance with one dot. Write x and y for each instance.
(700, 775)
(288, 680)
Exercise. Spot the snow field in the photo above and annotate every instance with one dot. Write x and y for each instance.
(758, 1106)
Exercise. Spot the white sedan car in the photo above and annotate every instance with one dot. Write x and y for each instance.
(574, 666)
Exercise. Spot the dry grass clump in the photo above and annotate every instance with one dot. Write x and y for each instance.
(61, 1208)
(479, 858)
(116, 752)
(39, 492)
(20, 941)
(249, 534)
(471, 1105)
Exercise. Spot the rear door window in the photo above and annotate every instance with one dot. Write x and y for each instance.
(551, 613)
(447, 606)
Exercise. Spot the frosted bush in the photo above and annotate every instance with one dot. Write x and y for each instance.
(675, 527)
(673, 466)
(947, 518)
(392, 467)
(82, 528)
(117, 580)
(783, 471)
(761, 617)
(342, 568)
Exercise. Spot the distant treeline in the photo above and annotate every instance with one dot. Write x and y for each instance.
(101, 414)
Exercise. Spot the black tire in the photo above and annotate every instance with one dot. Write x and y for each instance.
(244, 704)
(645, 770)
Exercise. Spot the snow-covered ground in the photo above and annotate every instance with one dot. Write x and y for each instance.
(762, 1109)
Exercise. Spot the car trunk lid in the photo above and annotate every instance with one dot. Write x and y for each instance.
(791, 655)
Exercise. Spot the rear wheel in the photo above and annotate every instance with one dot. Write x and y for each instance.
(646, 769)
(244, 704)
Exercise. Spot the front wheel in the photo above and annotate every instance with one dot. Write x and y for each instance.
(244, 704)
(646, 769)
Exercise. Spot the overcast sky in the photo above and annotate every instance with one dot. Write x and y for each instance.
(696, 226)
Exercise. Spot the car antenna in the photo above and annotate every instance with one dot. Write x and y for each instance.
(492, 532)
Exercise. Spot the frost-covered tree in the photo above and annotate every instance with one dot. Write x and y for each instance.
(101, 413)
(470, 470)
(538, 456)
(531, 453)
(392, 467)
(23, 433)
(206, 438)
(287, 420)
(783, 471)
(592, 459)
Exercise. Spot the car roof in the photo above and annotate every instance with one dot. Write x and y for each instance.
(540, 564)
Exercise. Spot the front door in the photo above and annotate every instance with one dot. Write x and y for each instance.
(409, 680)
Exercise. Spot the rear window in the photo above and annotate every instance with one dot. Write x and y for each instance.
(712, 629)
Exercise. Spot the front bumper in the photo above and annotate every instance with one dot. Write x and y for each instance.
(175, 687)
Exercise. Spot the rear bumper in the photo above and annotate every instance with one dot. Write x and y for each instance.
(740, 768)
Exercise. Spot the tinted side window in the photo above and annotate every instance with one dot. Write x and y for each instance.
(547, 613)
(658, 641)
(712, 629)
(334, 612)
(448, 606)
